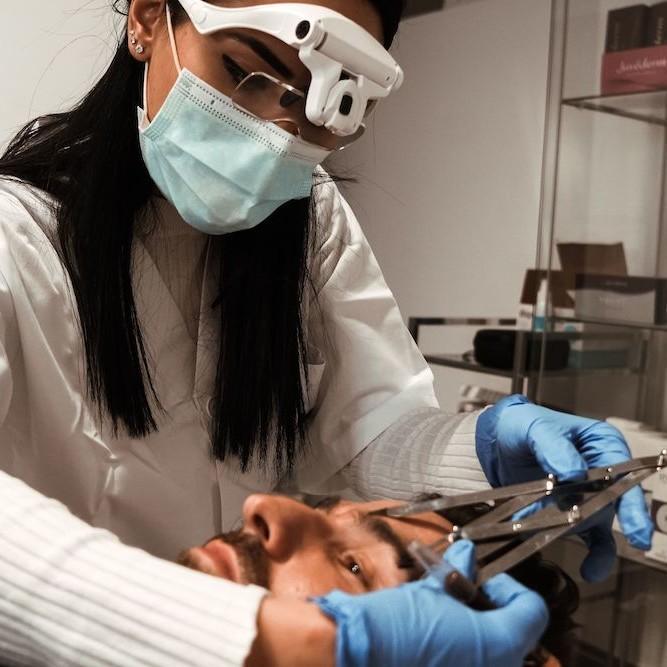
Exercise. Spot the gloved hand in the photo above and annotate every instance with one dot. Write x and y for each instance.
(518, 441)
(419, 624)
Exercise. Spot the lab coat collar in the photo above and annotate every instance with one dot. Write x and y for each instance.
(165, 332)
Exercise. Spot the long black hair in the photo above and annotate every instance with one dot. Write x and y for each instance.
(88, 159)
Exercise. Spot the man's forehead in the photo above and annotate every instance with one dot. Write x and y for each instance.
(338, 504)
(425, 527)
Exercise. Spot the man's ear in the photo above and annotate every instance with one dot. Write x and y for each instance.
(144, 21)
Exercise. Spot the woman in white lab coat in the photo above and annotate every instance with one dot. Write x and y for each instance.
(158, 374)
(164, 353)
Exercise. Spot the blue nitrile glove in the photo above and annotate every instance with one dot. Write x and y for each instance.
(419, 624)
(518, 441)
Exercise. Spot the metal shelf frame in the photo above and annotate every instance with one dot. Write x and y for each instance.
(650, 390)
(519, 375)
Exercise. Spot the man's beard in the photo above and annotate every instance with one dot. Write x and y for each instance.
(253, 560)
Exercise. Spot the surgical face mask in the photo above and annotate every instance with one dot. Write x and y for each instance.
(222, 169)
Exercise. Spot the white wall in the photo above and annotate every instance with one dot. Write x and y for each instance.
(610, 167)
(50, 52)
(449, 177)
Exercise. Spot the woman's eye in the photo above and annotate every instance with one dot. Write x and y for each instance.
(235, 71)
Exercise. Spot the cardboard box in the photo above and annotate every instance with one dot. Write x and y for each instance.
(596, 348)
(606, 258)
(562, 283)
(634, 71)
(575, 258)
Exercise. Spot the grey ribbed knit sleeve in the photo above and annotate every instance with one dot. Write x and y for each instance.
(424, 451)
(72, 595)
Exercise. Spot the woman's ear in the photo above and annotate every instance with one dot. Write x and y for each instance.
(144, 21)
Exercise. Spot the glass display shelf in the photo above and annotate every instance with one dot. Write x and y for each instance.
(604, 182)
(611, 323)
(649, 107)
(518, 375)
(467, 363)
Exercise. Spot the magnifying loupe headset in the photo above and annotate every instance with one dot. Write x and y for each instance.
(350, 70)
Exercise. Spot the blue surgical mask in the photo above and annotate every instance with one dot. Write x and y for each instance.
(222, 169)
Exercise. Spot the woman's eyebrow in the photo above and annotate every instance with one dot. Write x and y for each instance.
(264, 52)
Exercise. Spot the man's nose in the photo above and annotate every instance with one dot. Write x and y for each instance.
(282, 524)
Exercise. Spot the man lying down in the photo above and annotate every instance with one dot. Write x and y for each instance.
(310, 549)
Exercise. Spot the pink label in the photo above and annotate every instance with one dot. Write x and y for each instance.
(634, 71)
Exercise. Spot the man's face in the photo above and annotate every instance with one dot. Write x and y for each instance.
(296, 550)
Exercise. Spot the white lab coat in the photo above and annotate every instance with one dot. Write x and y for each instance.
(164, 492)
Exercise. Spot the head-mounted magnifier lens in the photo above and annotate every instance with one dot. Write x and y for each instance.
(350, 70)
(270, 99)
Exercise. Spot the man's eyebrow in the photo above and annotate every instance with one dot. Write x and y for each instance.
(264, 52)
(382, 530)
